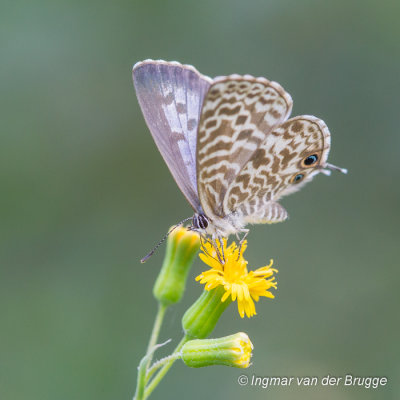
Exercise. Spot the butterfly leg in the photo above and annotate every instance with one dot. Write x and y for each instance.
(221, 244)
(203, 239)
(241, 241)
(217, 251)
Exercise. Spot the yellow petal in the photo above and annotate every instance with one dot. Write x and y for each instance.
(240, 284)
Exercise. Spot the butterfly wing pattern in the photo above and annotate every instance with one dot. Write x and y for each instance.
(272, 169)
(228, 143)
(170, 96)
(237, 115)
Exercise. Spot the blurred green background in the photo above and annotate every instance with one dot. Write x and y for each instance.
(85, 194)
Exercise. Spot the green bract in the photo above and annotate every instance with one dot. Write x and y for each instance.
(182, 246)
(200, 319)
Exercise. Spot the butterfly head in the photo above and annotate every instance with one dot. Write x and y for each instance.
(199, 223)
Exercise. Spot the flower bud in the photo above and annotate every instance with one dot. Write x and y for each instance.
(200, 319)
(233, 351)
(182, 246)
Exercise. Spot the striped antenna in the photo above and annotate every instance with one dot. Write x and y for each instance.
(145, 258)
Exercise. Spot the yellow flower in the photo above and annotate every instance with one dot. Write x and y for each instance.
(233, 276)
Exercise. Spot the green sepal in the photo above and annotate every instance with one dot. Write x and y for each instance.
(200, 319)
(182, 246)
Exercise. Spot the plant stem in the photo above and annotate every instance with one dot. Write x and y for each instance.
(141, 379)
(161, 373)
(157, 365)
(156, 330)
(146, 361)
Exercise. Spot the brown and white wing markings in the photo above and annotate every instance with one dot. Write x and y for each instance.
(171, 96)
(238, 114)
(272, 170)
(261, 211)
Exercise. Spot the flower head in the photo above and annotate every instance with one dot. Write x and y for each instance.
(233, 351)
(182, 247)
(232, 274)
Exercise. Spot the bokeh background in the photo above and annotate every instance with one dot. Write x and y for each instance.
(85, 194)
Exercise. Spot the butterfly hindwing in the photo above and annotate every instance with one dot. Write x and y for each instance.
(171, 96)
(290, 156)
(237, 115)
(261, 211)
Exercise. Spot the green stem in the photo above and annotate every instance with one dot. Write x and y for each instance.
(141, 379)
(146, 361)
(156, 330)
(157, 365)
(156, 380)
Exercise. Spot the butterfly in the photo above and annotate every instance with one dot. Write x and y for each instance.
(229, 144)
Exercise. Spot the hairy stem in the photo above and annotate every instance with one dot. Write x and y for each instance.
(161, 373)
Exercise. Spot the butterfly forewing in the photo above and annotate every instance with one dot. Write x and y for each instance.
(237, 115)
(171, 96)
(278, 167)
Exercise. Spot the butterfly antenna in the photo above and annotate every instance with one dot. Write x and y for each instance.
(145, 258)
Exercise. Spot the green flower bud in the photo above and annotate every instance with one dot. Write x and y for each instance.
(233, 351)
(200, 319)
(182, 246)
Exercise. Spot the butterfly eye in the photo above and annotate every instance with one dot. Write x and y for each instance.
(296, 178)
(310, 160)
(200, 221)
